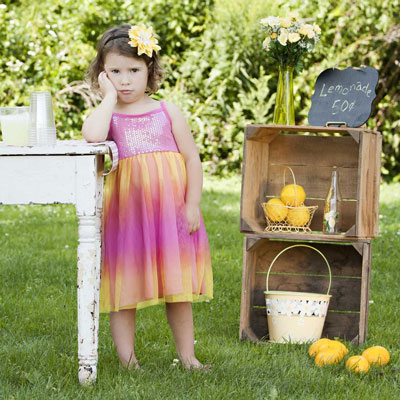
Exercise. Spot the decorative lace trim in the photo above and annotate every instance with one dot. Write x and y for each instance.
(303, 308)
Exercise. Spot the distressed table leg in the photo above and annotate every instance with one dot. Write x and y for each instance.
(88, 296)
(89, 264)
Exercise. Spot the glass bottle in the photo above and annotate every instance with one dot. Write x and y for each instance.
(333, 210)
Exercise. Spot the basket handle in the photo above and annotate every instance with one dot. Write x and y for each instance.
(301, 245)
(294, 180)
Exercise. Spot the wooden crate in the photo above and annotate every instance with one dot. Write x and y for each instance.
(356, 153)
(304, 270)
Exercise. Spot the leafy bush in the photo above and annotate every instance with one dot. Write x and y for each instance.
(217, 71)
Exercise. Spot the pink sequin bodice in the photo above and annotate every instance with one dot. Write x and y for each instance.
(142, 133)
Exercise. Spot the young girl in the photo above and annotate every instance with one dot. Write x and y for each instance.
(155, 247)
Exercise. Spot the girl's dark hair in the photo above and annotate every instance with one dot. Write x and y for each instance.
(120, 45)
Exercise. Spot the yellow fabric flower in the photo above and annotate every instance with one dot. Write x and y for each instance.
(142, 38)
(294, 37)
(285, 22)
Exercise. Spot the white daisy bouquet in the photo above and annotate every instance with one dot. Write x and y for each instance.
(288, 39)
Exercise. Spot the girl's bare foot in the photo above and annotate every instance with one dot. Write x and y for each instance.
(132, 363)
(133, 366)
(193, 364)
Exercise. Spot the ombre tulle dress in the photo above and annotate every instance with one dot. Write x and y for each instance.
(149, 257)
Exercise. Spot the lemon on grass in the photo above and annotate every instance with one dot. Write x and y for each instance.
(298, 216)
(275, 209)
(314, 348)
(376, 355)
(328, 356)
(293, 195)
(334, 344)
(357, 364)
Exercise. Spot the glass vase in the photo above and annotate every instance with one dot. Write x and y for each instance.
(284, 105)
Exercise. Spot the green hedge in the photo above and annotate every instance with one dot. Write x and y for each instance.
(217, 71)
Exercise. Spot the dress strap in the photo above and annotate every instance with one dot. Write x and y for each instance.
(165, 111)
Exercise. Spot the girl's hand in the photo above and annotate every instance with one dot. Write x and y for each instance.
(106, 86)
(193, 217)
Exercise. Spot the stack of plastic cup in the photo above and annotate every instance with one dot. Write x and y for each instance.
(42, 128)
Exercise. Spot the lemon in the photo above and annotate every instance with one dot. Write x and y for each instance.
(293, 195)
(314, 348)
(328, 356)
(357, 364)
(298, 216)
(334, 344)
(376, 355)
(275, 209)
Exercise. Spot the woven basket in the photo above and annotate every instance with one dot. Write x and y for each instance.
(296, 317)
(295, 223)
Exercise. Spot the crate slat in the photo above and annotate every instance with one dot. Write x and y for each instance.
(319, 151)
(343, 259)
(368, 185)
(317, 184)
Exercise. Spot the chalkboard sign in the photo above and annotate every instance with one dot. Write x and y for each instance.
(343, 96)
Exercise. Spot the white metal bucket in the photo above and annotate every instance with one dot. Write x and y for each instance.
(296, 317)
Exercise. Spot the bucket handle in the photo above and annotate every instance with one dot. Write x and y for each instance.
(300, 245)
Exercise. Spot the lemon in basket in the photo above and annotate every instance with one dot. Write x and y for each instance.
(293, 195)
(298, 216)
(275, 209)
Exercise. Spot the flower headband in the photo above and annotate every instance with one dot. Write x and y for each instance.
(140, 37)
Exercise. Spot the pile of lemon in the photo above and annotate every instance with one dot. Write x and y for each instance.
(289, 207)
(327, 351)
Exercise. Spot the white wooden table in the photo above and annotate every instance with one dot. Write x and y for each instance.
(70, 172)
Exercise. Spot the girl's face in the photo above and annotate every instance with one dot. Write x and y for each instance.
(128, 75)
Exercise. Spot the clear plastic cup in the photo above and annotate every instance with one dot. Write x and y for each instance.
(15, 125)
(42, 137)
(42, 128)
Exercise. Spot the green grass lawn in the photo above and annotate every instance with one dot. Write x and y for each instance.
(38, 328)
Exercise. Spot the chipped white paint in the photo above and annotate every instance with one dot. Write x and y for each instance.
(88, 297)
(70, 147)
(70, 172)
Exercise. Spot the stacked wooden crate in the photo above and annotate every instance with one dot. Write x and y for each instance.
(356, 154)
